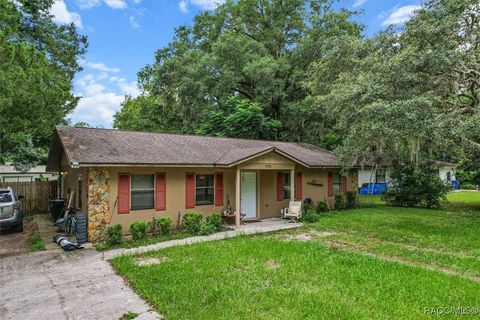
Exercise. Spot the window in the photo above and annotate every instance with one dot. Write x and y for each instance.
(204, 189)
(380, 176)
(142, 191)
(286, 185)
(337, 183)
(80, 190)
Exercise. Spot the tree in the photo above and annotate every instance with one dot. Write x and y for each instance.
(254, 49)
(38, 60)
(240, 118)
(408, 94)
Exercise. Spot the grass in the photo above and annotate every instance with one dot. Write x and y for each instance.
(376, 263)
(129, 315)
(35, 243)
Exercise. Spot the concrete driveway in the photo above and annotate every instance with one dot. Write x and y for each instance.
(65, 285)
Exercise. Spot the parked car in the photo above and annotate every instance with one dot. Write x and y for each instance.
(10, 210)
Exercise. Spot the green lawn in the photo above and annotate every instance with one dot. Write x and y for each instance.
(370, 263)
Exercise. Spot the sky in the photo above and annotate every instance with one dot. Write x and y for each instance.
(123, 36)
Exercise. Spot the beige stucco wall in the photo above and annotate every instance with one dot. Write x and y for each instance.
(175, 193)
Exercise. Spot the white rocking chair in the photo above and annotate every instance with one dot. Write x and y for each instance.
(293, 212)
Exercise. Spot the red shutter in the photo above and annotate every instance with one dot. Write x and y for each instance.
(330, 184)
(344, 184)
(219, 189)
(189, 190)
(280, 186)
(123, 193)
(161, 192)
(298, 189)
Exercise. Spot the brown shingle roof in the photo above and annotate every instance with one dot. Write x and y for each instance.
(89, 146)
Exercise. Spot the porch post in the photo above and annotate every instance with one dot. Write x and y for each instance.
(237, 199)
(292, 185)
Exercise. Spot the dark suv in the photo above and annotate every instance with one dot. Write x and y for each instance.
(10, 212)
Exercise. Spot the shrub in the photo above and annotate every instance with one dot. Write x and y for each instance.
(192, 222)
(138, 229)
(310, 216)
(162, 225)
(351, 200)
(35, 243)
(113, 235)
(416, 186)
(206, 228)
(339, 201)
(322, 206)
(306, 207)
(215, 220)
(469, 186)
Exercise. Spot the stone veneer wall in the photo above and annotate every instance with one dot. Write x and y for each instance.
(98, 202)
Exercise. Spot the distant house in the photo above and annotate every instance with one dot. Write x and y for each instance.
(37, 173)
(367, 174)
(124, 176)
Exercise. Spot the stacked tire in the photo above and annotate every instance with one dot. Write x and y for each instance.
(81, 228)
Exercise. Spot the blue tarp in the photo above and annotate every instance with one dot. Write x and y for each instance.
(455, 184)
(373, 188)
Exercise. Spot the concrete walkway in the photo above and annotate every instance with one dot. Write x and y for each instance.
(267, 225)
(54, 284)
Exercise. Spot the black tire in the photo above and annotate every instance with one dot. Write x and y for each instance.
(68, 227)
(19, 228)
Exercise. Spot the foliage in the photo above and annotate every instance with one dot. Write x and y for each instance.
(193, 222)
(468, 171)
(406, 94)
(113, 235)
(206, 228)
(138, 229)
(310, 216)
(129, 315)
(215, 220)
(339, 201)
(38, 61)
(416, 186)
(255, 51)
(351, 199)
(35, 243)
(241, 119)
(322, 206)
(469, 186)
(162, 225)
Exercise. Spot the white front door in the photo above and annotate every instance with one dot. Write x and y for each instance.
(248, 194)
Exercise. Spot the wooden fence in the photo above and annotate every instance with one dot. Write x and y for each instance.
(37, 195)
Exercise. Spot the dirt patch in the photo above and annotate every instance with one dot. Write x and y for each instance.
(272, 265)
(306, 236)
(148, 261)
(13, 243)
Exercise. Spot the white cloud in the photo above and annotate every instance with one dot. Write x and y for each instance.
(401, 15)
(137, 1)
(62, 15)
(116, 4)
(87, 4)
(203, 4)
(101, 97)
(183, 5)
(101, 67)
(359, 3)
(134, 22)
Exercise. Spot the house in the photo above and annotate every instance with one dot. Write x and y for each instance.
(37, 173)
(380, 174)
(124, 176)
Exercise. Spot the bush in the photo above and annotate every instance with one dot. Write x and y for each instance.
(113, 235)
(322, 206)
(468, 186)
(339, 201)
(351, 200)
(416, 186)
(138, 229)
(206, 228)
(215, 220)
(306, 207)
(35, 243)
(310, 216)
(162, 225)
(192, 222)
